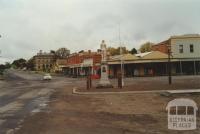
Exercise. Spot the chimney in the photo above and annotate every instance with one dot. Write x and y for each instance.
(40, 52)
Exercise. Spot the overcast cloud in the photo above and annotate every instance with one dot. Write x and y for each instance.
(27, 26)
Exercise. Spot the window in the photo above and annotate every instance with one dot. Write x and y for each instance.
(173, 110)
(190, 110)
(191, 48)
(181, 110)
(180, 48)
(104, 69)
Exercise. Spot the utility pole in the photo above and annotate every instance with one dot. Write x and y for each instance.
(169, 64)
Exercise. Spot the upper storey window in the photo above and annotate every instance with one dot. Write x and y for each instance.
(191, 48)
(180, 48)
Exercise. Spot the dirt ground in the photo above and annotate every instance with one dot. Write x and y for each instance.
(108, 114)
(148, 84)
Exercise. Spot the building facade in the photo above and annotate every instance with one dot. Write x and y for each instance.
(185, 60)
(185, 46)
(185, 53)
(82, 64)
(152, 63)
(44, 61)
(60, 65)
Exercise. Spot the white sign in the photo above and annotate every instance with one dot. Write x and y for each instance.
(182, 114)
(87, 62)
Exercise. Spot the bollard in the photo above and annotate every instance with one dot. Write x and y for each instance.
(90, 81)
(87, 83)
(120, 80)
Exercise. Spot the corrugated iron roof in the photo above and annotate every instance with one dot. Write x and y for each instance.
(154, 55)
(123, 57)
(142, 54)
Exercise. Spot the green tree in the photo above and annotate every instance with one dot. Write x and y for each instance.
(133, 51)
(2, 68)
(30, 64)
(146, 47)
(7, 65)
(19, 63)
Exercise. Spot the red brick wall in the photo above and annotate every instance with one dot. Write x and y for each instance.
(162, 47)
(96, 58)
(74, 59)
(78, 58)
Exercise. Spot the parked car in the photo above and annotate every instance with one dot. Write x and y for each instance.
(47, 77)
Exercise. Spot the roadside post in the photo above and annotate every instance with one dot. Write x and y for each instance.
(169, 65)
(119, 80)
(89, 82)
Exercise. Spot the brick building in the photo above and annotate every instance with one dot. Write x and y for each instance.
(82, 63)
(162, 46)
(185, 60)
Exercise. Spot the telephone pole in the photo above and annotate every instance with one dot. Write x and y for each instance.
(169, 65)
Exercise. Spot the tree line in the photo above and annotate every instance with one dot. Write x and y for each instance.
(21, 63)
(146, 47)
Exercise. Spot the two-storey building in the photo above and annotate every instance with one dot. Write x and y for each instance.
(185, 53)
(82, 63)
(44, 61)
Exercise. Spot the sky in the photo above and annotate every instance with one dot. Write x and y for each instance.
(27, 26)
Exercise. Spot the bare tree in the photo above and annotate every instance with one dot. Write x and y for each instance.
(62, 52)
(146, 47)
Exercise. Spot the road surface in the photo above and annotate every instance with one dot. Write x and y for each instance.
(24, 110)
(22, 94)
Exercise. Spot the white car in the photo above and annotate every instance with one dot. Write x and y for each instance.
(47, 77)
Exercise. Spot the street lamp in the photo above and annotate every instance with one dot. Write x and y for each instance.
(169, 64)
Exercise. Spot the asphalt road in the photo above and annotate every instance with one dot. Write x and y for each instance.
(23, 94)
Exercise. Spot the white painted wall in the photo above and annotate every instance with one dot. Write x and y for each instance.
(186, 47)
